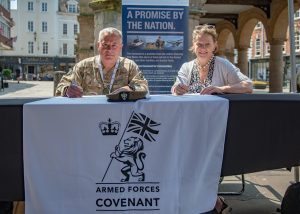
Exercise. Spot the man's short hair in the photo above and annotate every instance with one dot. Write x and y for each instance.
(109, 31)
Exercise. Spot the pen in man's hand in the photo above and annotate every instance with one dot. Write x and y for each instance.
(74, 83)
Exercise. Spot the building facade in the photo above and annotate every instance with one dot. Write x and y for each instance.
(44, 35)
(6, 23)
(260, 52)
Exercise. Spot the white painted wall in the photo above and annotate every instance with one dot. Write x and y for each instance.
(54, 35)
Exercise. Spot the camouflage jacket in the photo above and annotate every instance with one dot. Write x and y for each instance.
(86, 74)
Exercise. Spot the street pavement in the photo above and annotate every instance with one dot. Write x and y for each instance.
(28, 89)
(263, 191)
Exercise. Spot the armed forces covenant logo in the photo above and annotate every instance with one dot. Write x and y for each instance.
(129, 156)
(109, 127)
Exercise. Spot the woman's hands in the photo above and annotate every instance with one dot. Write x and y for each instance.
(180, 89)
(212, 90)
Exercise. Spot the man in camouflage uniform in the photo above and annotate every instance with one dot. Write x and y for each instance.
(105, 73)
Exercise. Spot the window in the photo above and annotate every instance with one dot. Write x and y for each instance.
(44, 7)
(297, 41)
(258, 25)
(75, 49)
(4, 29)
(268, 48)
(72, 8)
(44, 27)
(30, 26)
(45, 47)
(30, 6)
(75, 29)
(5, 4)
(297, 14)
(30, 47)
(257, 46)
(65, 49)
(65, 29)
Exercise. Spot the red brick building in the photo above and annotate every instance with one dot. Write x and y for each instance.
(259, 53)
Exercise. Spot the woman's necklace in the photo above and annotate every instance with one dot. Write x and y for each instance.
(206, 65)
(203, 71)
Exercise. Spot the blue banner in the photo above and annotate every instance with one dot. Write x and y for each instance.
(155, 37)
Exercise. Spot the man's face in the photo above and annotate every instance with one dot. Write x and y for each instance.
(110, 49)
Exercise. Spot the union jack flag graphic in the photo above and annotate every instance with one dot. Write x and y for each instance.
(143, 125)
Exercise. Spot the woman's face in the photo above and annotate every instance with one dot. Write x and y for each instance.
(204, 47)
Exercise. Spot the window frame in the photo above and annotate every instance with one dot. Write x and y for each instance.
(44, 7)
(30, 6)
(30, 47)
(45, 47)
(30, 26)
(257, 46)
(65, 49)
(65, 29)
(44, 26)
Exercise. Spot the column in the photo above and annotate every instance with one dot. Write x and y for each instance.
(230, 56)
(221, 53)
(243, 60)
(227, 54)
(107, 14)
(276, 66)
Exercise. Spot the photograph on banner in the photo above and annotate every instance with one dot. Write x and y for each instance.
(156, 38)
(155, 42)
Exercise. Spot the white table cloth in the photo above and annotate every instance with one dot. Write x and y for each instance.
(157, 155)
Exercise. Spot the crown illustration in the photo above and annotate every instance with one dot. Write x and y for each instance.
(109, 128)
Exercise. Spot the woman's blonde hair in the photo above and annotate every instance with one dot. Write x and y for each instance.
(204, 29)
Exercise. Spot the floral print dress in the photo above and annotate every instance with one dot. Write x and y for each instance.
(196, 85)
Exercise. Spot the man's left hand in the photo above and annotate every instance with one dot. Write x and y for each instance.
(124, 88)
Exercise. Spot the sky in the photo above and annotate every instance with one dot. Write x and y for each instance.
(13, 4)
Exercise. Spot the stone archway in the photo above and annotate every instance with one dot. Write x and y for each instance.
(247, 23)
(278, 28)
(226, 40)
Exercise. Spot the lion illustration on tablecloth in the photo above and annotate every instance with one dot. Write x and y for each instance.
(130, 152)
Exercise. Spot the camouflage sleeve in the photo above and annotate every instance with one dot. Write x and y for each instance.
(63, 84)
(67, 79)
(137, 80)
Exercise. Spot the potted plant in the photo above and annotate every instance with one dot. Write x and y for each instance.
(6, 73)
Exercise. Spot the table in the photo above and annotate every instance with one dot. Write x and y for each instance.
(262, 134)
(162, 154)
(11, 149)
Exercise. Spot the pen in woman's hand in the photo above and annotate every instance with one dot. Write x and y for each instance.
(181, 88)
(180, 80)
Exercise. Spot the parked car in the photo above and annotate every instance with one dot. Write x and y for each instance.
(260, 84)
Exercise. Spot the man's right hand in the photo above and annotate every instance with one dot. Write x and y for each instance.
(74, 91)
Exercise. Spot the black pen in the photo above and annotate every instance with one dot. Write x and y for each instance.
(180, 80)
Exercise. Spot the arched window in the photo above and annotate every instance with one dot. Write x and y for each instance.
(257, 45)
